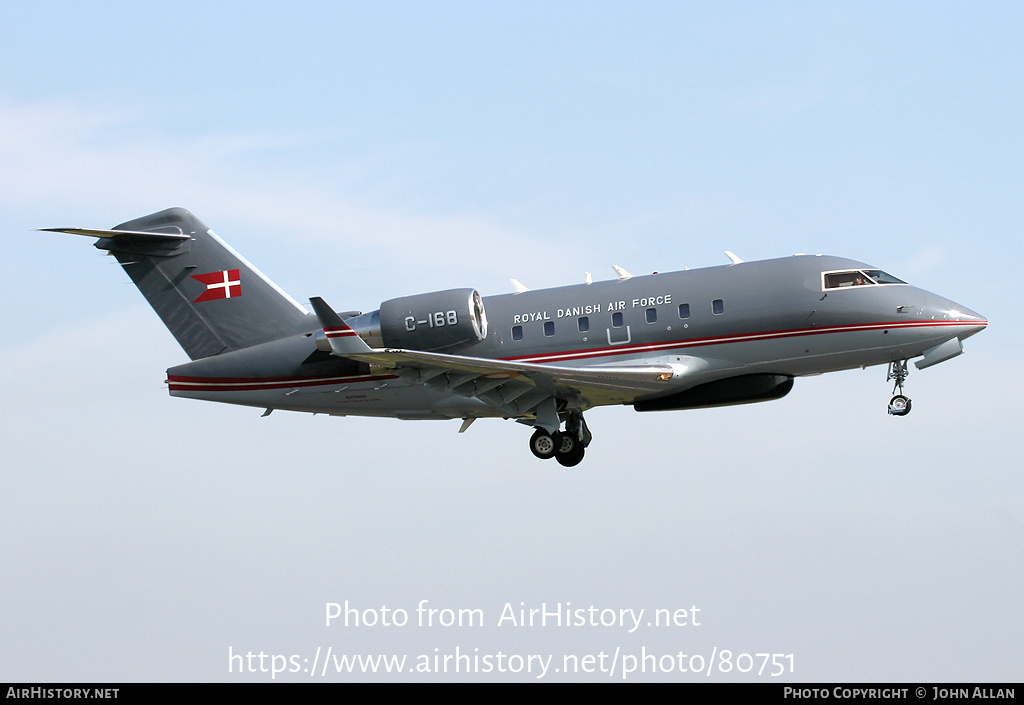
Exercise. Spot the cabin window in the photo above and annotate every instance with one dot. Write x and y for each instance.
(652, 315)
(583, 324)
(684, 310)
(718, 307)
(549, 328)
(517, 332)
(617, 319)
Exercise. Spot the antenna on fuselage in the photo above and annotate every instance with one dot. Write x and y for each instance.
(519, 286)
(623, 274)
(733, 258)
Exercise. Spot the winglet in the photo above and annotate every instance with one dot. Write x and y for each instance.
(344, 341)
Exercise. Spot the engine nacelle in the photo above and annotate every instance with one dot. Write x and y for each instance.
(439, 320)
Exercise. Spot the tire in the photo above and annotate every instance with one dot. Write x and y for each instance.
(899, 405)
(542, 444)
(572, 458)
(566, 443)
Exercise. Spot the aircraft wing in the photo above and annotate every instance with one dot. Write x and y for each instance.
(516, 388)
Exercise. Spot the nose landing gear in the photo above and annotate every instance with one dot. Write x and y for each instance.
(899, 405)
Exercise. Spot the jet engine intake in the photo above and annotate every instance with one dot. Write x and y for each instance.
(440, 320)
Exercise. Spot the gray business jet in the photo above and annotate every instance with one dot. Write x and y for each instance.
(733, 334)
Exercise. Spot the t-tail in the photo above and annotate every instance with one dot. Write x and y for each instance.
(211, 298)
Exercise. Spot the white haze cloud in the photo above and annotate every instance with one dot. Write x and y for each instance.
(109, 165)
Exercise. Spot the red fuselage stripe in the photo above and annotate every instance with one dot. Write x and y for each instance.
(246, 384)
(735, 338)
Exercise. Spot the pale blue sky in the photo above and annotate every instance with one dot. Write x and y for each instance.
(361, 151)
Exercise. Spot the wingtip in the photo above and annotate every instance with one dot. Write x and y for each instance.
(327, 315)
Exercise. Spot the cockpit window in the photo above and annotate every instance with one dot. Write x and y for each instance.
(866, 277)
(881, 277)
(837, 280)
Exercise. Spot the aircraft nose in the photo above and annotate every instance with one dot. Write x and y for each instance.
(972, 321)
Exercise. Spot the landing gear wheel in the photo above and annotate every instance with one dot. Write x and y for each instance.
(899, 405)
(565, 442)
(543, 445)
(571, 457)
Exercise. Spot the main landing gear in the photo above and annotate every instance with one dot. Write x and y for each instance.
(568, 446)
(899, 405)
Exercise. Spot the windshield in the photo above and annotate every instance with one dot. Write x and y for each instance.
(881, 277)
(858, 277)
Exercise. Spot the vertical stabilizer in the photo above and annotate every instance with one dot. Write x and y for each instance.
(208, 295)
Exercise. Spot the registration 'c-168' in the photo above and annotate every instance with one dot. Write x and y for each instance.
(716, 336)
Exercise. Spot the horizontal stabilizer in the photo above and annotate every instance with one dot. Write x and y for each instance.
(132, 234)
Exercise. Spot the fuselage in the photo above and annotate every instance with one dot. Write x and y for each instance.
(792, 316)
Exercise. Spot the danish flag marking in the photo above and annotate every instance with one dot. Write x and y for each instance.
(225, 284)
